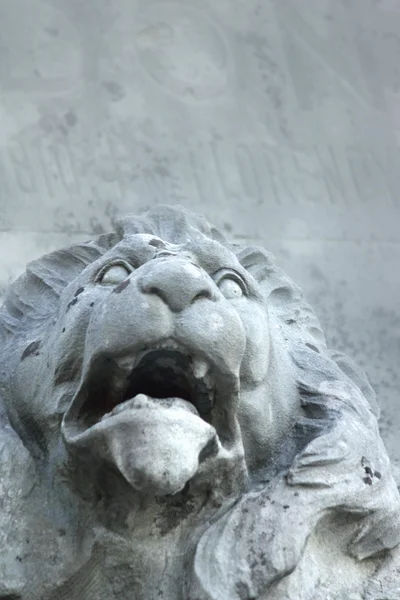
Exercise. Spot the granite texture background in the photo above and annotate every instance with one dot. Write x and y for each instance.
(277, 119)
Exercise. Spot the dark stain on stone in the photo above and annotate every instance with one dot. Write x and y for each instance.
(63, 329)
(116, 91)
(174, 510)
(242, 590)
(74, 301)
(31, 349)
(53, 31)
(156, 243)
(367, 480)
(92, 304)
(79, 291)
(120, 288)
(71, 118)
(96, 226)
(314, 348)
(210, 449)
(286, 506)
(317, 274)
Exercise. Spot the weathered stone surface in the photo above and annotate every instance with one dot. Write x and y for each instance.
(174, 426)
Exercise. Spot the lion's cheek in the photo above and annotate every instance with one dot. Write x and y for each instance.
(157, 449)
(218, 332)
(256, 357)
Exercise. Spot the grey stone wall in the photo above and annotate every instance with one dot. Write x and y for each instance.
(279, 120)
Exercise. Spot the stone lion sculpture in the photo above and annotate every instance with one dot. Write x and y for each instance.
(173, 426)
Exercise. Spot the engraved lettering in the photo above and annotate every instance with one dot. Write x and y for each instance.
(22, 167)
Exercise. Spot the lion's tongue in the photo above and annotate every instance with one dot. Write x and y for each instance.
(142, 401)
(157, 445)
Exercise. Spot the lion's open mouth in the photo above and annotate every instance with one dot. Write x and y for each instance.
(166, 372)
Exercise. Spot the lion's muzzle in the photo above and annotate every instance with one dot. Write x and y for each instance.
(160, 379)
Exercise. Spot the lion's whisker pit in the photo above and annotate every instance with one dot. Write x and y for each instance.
(166, 372)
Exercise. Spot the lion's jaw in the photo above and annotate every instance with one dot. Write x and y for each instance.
(154, 414)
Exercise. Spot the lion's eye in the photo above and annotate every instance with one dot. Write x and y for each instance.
(114, 274)
(230, 287)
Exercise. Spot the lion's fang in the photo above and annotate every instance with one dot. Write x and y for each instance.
(200, 368)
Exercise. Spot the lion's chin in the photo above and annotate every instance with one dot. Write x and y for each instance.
(157, 446)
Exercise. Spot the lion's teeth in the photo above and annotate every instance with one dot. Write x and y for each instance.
(168, 345)
(125, 363)
(200, 368)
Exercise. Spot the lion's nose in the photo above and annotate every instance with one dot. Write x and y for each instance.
(177, 282)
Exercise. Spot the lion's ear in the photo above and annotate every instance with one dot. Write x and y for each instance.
(257, 261)
(33, 297)
(278, 289)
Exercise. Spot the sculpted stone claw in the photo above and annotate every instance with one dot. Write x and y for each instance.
(172, 425)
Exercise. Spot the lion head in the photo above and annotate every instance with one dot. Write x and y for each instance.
(162, 369)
